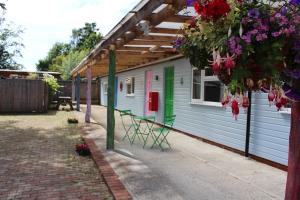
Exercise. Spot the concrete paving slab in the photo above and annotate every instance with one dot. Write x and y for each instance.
(190, 170)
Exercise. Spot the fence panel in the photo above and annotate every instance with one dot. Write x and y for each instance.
(21, 95)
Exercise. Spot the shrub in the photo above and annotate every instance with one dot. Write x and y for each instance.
(72, 121)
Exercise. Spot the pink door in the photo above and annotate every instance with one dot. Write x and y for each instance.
(148, 88)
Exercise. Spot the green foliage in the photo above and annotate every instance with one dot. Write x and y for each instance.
(72, 121)
(65, 64)
(32, 76)
(51, 81)
(10, 44)
(58, 49)
(64, 57)
(71, 61)
(86, 37)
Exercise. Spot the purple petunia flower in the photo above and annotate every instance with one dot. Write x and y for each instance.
(297, 45)
(291, 93)
(295, 2)
(276, 34)
(234, 46)
(238, 50)
(259, 37)
(297, 58)
(190, 2)
(283, 10)
(253, 13)
(178, 42)
(278, 15)
(295, 74)
(254, 31)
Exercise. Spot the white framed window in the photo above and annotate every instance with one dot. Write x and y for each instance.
(206, 88)
(130, 86)
(105, 88)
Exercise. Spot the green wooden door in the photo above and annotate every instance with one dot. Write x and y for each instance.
(169, 91)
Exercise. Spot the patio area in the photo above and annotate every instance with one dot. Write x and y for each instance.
(38, 160)
(190, 170)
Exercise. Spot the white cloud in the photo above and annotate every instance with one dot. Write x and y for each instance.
(48, 21)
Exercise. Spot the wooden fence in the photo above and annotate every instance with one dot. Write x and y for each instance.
(66, 90)
(21, 95)
(95, 92)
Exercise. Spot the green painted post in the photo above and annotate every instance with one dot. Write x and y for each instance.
(110, 100)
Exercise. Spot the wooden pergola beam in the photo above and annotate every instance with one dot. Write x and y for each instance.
(157, 37)
(165, 30)
(151, 42)
(177, 19)
(125, 31)
(147, 10)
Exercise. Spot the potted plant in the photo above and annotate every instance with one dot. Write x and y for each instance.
(83, 149)
(251, 45)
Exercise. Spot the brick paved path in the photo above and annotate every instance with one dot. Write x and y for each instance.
(38, 163)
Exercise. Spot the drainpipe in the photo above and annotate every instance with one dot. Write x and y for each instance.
(248, 125)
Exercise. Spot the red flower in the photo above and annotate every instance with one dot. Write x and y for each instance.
(271, 97)
(245, 102)
(212, 9)
(216, 68)
(235, 108)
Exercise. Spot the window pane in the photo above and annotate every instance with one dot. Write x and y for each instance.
(128, 88)
(196, 84)
(213, 91)
(105, 88)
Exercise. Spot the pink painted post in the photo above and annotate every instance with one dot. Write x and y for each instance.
(149, 76)
(88, 95)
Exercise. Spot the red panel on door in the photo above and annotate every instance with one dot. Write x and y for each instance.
(153, 101)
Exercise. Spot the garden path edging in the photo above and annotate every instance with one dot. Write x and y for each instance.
(112, 180)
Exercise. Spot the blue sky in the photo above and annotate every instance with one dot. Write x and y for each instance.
(48, 21)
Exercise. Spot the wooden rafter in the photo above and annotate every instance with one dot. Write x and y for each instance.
(151, 42)
(165, 30)
(128, 33)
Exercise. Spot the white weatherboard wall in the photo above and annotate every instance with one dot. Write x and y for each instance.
(269, 128)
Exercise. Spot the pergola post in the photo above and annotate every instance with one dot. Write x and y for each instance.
(110, 99)
(73, 89)
(88, 95)
(78, 92)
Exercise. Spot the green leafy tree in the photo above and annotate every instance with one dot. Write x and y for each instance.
(58, 49)
(86, 37)
(10, 43)
(63, 57)
(71, 61)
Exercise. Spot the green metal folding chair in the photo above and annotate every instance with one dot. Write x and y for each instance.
(161, 133)
(129, 128)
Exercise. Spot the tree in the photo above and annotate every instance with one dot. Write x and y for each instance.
(71, 61)
(63, 57)
(251, 46)
(58, 49)
(86, 37)
(10, 44)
